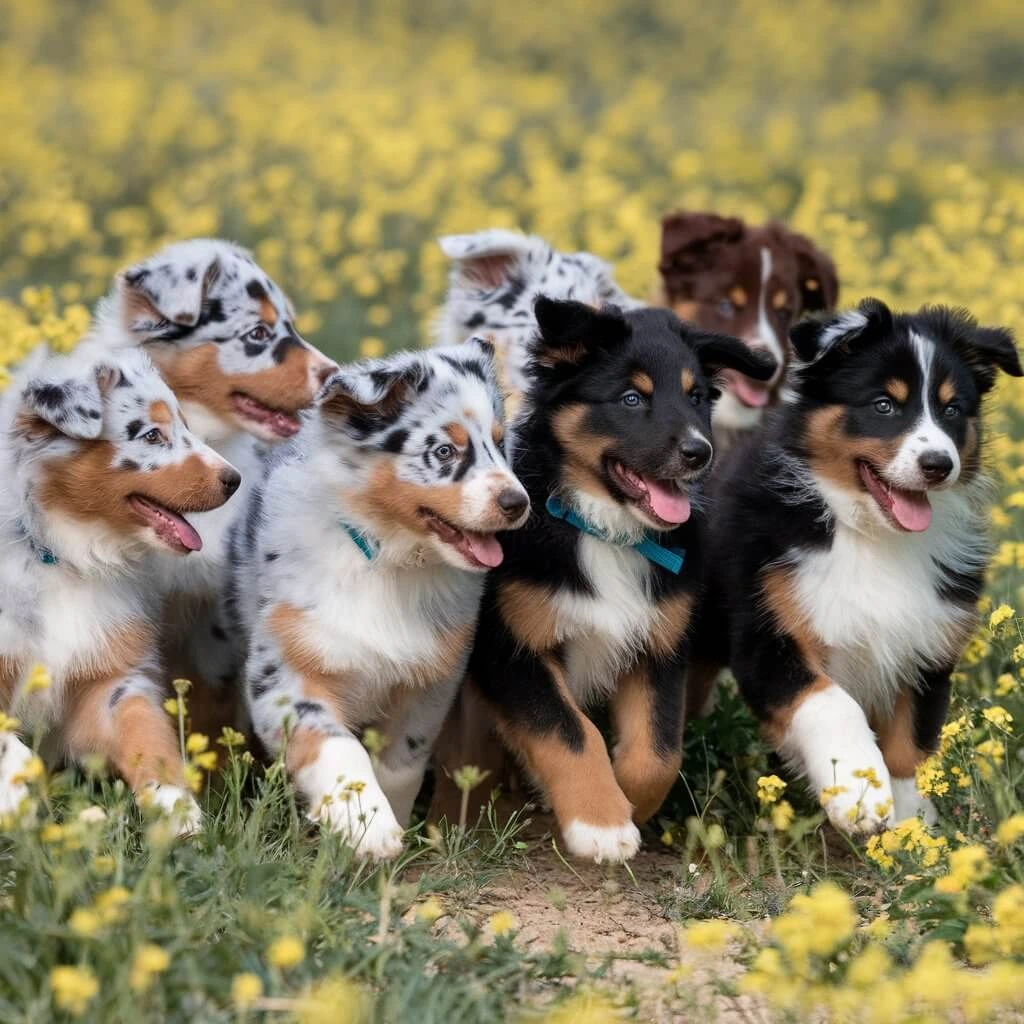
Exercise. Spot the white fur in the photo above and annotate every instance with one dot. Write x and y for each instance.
(177, 805)
(845, 324)
(613, 845)
(909, 803)
(14, 759)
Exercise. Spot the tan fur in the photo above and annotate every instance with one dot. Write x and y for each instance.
(896, 739)
(700, 681)
(779, 299)
(671, 624)
(303, 749)
(685, 309)
(642, 382)
(268, 311)
(947, 391)
(160, 413)
(644, 775)
(551, 355)
(584, 450)
(834, 454)
(526, 610)
(457, 433)
(738, 297)
(10, 673)
(688, 381)
(498, 434)
(897, 388)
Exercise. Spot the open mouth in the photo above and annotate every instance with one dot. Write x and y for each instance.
(660, 500)
(275, 421)
(905, 509)
(480, 550)
(754, 394)
(172, 529)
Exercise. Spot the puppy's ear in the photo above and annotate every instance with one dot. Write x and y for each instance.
(720, 352)
(690, 243)
(571, 331)
(486, 259)
(160, 296)
(817, 337)
(69, 402)
(816, 274)
(368, 396)
(989, 349)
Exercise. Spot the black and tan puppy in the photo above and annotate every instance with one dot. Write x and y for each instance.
(592, 602)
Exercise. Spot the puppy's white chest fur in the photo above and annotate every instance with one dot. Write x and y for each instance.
(604, 633)
(874, 602)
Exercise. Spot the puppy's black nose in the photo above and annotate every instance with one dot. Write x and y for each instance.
(696, 452)
(229, 480)
(512, 503)
(935, 466)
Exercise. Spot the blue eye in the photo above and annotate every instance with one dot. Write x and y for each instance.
(444, 452)
(633, 399)
(726, 309)
(884, 406)
(951, 412)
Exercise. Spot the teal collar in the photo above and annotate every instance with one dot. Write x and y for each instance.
(369, 545)
(45, 555)
(667, 558)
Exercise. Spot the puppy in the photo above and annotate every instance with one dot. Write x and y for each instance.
(848, 550)
(359, 572)
(496, 277)
(752, 283)
(101, 472)
(592, 602)
(223, 335)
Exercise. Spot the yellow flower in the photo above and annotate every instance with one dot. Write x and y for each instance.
(372, 348)
(246, 988)
(334, 1001)
(967, 866)
(84, 923)
(196, 743)
(770, 788)
(430, 910)
(709, 936)
(869, 775)
(73, 988)
(583, 1008)
(999, 717)
(286, 952)
(231, 738)
(173, 706)
(110, 904)
(1002, 614)
(502, 922)
(38, 679)
(32, 771)
(8, 724)
(149, 961)
(1010, 830)
(783, 815)
(816, 923)
(868, 968)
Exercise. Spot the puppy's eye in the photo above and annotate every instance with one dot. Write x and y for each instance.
(725, 309)
(633, 399)
(951, 411)
(444, 452)
(696, 398)
(259, 333)
(885, 406)
(153, 436)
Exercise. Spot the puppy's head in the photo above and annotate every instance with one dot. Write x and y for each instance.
(223, 335)
(420, 440)
(106, 459)
(628, 399)
(752, 283)
(889, 406)
(495, 279)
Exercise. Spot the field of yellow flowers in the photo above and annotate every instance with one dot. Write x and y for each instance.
(338, 140)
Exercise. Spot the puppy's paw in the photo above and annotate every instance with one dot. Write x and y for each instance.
(908, 803)
(368, 826)
(599, 843)
(177, 805)
(15, 759)
(859, 809)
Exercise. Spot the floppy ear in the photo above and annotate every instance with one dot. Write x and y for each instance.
(158, 296)
(71, 404)
(366, 396)
(720, 352)
(815, 338)
(816, 280)
(690, 243)
(987, 350)
(570, 331)
(484, 259)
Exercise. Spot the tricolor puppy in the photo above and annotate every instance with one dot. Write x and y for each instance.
(592, 601)
(496, 277)
(360, 565)
(223, 335)
(750, 282)
(848, 550)
(100, 473)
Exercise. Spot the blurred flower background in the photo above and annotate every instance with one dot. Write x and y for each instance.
(337, 140)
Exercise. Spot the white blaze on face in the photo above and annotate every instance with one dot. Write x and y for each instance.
(926, 435)
(766, 335)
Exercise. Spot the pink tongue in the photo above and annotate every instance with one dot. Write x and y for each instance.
(911, 510)
(748, 392)
(184, 531)
(669, 504)
(485, 548)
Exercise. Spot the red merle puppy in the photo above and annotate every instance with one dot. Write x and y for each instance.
(592, 602)
(750, 282)
(848, 549)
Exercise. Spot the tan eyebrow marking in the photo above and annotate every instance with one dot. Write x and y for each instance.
(738, 296)
(160, 413)
(268, 312)
(689, 381)
(779, 299)
(897, 388)
(642, 382)
(497, 433)
(458, 433)
(947, 391)
(812, 284)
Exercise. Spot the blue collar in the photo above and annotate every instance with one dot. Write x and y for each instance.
(667, 558)
(45, 555)
(369, 546)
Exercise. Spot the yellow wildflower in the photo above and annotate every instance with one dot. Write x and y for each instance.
(332, 1001)
(430, 910)
(1010, 830)
(149, 961)
(502, 922)
(85, 923)
(73, 988)
(709, 936)
(286, 952)
(999, 717)
(196, 743)
(967, 866)
(38, 679)
(246, 988)
(770, 788)
(1002, 614)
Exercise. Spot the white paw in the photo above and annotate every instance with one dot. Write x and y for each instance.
(861, 809)
(368, 825)
(908, 803)
(14, 760)
(174, 803)
(615, 844)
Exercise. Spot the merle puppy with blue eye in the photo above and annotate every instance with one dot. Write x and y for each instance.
(848, 550)
(592, 602)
